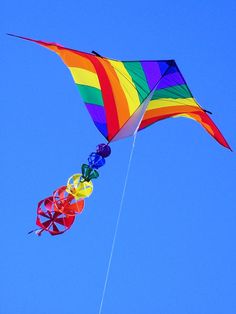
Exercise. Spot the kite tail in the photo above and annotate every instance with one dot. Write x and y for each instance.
(56, 213)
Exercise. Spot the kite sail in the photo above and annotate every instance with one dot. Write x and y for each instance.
(122, 98)
(114, 92)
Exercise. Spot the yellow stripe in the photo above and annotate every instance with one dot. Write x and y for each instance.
(183, 115)
(169, 102)
(127, 85)
(85, 77)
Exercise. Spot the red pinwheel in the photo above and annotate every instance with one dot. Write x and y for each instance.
(66, 203)
(51, 220)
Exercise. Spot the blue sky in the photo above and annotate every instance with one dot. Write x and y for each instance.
(175, 250)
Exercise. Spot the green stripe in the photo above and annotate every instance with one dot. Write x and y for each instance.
(90, 95)
(137, 74)
(174, 92)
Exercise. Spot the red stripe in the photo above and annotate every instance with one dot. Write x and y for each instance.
(145, 123)
(206, 120)
(199, 116)
(108, 97)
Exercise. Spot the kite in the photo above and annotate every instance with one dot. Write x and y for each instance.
(122, 98)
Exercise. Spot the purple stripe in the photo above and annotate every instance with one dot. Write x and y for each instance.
(102, 127)
(171, 79)
(152, 72)
(97, 113)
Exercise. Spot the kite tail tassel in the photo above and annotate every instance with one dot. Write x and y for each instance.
(36, 231)
(56, 213)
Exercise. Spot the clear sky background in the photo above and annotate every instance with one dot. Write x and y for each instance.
(175, 250)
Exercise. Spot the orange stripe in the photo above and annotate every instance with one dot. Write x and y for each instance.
(169, 110)
(72, 59)
(119, 95)
(210, 126)
(198, 115)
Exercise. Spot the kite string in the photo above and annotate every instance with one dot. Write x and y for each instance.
(117, 223)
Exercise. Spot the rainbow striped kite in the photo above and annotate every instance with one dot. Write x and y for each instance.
(123, 97)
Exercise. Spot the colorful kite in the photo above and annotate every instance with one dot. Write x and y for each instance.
(122, 97)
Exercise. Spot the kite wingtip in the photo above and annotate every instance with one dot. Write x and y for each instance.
(21, 37)
(10, 34)
(226, 145)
